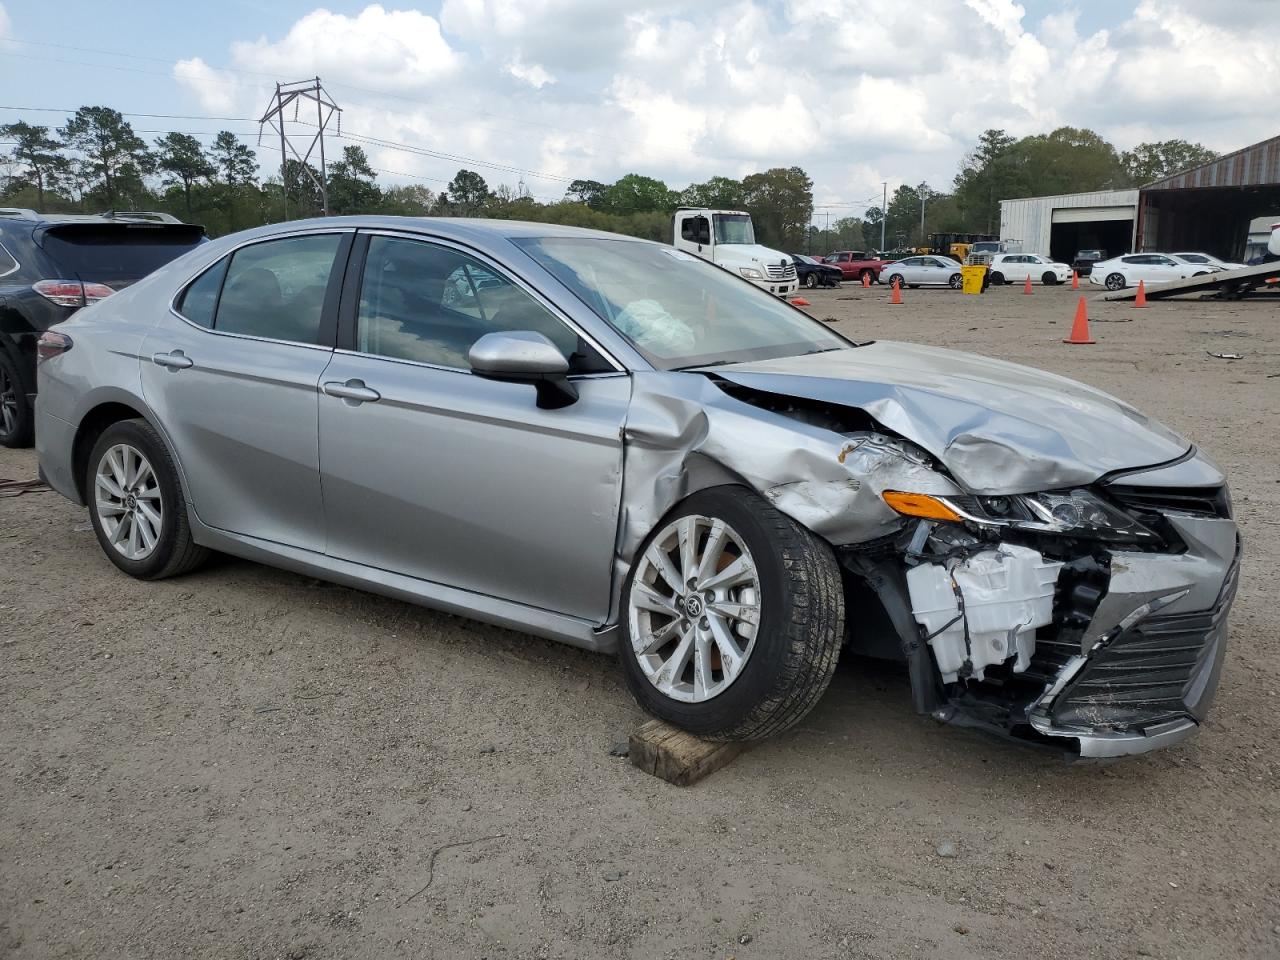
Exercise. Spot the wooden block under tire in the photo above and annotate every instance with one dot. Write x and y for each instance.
(678, 757)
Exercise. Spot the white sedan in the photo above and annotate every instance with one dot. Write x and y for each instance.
(920, 271)
(1120, 272)
(1207, 261)
(1016, 267)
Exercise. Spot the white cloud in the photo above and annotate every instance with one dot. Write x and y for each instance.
(6, 25)
(531, 73)
(684, 90)
(384, 49)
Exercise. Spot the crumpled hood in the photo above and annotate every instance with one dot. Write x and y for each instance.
(999, 427)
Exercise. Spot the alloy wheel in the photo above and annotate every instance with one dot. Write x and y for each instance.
(128, 502)
(8, 404)
(694, 609)
(1115, 281)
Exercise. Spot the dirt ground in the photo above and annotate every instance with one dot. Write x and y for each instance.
(244, 763)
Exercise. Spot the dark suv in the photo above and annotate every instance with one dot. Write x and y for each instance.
(1085, 259)
(51, 265)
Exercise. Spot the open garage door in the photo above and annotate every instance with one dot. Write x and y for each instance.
(1066, 236)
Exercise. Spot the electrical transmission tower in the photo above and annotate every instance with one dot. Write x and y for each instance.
(275, 117)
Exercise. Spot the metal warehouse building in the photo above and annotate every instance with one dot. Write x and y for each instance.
(1059, 226)
(1207, 208)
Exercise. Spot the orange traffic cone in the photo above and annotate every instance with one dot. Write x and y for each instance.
(866, 281)
(799, 302)
(1141, 299)
(1080, 329)
(1027, 289)
(897, 290)
(1075, 280)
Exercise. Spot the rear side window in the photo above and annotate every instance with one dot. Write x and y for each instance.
(200, 300)
(276, 289)
(116, 253)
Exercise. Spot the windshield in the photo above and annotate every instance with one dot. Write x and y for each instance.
(117, 253)
(734, 228)
(677, 310)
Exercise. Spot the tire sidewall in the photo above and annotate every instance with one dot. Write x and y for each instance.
(763, 674)
(22, 435)
(140, 435)
(1119, 286)
(997, 278)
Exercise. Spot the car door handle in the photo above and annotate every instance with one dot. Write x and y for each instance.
(353, 391)
(176, 360)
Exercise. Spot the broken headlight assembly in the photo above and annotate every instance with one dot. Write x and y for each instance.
(1076, 513)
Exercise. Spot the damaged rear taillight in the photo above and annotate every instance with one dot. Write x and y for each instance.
(52, 344)
(71, 293)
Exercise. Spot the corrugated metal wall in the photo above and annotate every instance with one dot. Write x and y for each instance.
(1031, 219)
(1255, 165)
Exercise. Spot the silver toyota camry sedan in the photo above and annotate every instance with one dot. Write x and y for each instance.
(617, 445)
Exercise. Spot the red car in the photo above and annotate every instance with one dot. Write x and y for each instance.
(855, 264)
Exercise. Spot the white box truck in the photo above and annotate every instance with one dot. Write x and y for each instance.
(727, 238)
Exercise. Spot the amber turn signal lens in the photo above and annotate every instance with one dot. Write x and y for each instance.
(920, 505)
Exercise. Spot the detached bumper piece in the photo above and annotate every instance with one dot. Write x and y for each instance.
(1146, 685)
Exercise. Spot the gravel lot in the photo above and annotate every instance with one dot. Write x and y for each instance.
(245, 763)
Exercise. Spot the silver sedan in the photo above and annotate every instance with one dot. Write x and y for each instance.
(617, 445)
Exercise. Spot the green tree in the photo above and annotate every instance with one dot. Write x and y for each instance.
(985, 178)
(115, 157)
(181, 157)
(723, 193)
(466, 194)
(235, 162)
(781, 205)
(871, 222)
(590, 192)
(237, 169)
(1149, 162)
(635, 193)
(413, 200)
(351, 184)
(37, 156)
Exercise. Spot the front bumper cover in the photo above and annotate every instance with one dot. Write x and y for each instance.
(1146, 684)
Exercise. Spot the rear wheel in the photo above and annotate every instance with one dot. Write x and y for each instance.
(734, 618)
(17, 421)
(811, 281)
(1115, 281)
(136, 504)
(866, 276)
(956, 281)
(997, 277)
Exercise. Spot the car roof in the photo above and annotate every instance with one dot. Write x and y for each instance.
(458, 228)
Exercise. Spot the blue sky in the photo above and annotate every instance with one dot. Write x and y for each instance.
(556, 89)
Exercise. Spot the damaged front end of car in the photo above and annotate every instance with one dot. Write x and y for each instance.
(1035, 587)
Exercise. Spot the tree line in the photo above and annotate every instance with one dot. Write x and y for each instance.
(97, 162)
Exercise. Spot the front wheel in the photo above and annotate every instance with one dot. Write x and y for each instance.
(1115, 281)
(136, 505)
(1049, 279)
(734, 618)
(956, 281)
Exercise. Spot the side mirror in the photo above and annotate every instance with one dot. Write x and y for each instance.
(525, 356)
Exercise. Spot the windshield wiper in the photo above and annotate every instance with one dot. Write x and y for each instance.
(709, 363)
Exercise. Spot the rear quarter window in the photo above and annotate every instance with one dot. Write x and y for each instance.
(8, 263)
(199, 301)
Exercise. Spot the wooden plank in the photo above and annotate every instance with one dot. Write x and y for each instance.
(678, 757)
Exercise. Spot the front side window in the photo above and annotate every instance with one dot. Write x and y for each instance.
(676, 309)
(276, 289)
(429, 304)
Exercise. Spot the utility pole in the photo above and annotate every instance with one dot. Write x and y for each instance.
(924, 189)
(884, 214)
(294, 93)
